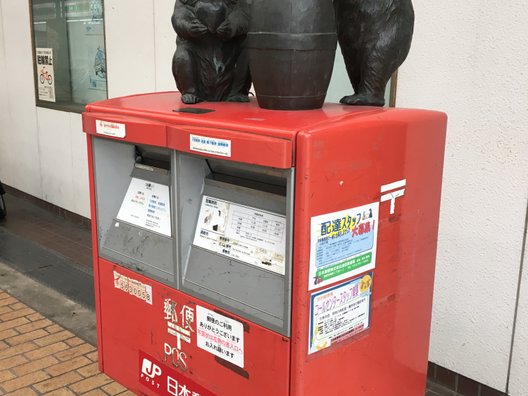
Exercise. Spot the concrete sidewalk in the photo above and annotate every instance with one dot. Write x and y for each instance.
(39, 357)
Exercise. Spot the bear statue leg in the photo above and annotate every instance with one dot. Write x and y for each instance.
(241, 79)
(364, 76)
(183, 72)
(353, 71)
(375, 73)
(375, 37)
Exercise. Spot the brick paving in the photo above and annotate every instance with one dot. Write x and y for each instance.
(39, 357)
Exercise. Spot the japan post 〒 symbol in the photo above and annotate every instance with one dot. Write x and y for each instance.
(393, 191)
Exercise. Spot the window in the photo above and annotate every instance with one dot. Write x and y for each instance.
(70, 58)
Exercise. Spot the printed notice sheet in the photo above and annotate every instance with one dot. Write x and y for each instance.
(342, 244)
(339, 313)
(147, 205)
(220, 335)
(247, 234)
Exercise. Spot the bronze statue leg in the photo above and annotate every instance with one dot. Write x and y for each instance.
(241, 79)
(183, 71)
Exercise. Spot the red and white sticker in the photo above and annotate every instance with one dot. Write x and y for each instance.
(113, 129)
(166, 381)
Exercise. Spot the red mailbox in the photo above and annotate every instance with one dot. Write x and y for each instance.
(242, 251)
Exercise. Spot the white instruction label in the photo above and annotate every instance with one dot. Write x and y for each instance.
(220, 335)
(113, 129)
(247, 234)
(147, 205)
(209, 145)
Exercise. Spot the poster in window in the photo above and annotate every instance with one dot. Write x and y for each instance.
(45, 74)
(87, 50)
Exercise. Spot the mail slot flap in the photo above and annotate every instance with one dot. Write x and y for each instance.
(126, 128)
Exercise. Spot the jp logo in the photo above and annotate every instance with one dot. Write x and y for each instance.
(149, 372)
(175, 356)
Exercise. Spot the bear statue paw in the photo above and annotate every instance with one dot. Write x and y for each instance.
(225, 30)
(362, 100)
(190, 99)
(241, 98)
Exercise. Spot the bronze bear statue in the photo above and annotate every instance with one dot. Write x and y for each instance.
(211, 62)
(375, 37)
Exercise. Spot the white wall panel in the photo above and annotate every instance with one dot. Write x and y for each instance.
(4, 109)
(165, 44)
(129, 29)
(55, 157)
(469, 59)
(23, 167)
(64, 163)
(79, 159)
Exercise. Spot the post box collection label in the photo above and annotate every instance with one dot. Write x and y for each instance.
(209, 145)
(220, 335)
(342, 244)
(166, 381)
(247, 234)
(147, 205)
(339, 312)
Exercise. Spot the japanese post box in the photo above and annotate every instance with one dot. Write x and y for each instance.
(245, 252)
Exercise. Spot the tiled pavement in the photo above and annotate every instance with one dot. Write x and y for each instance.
(39, 357)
